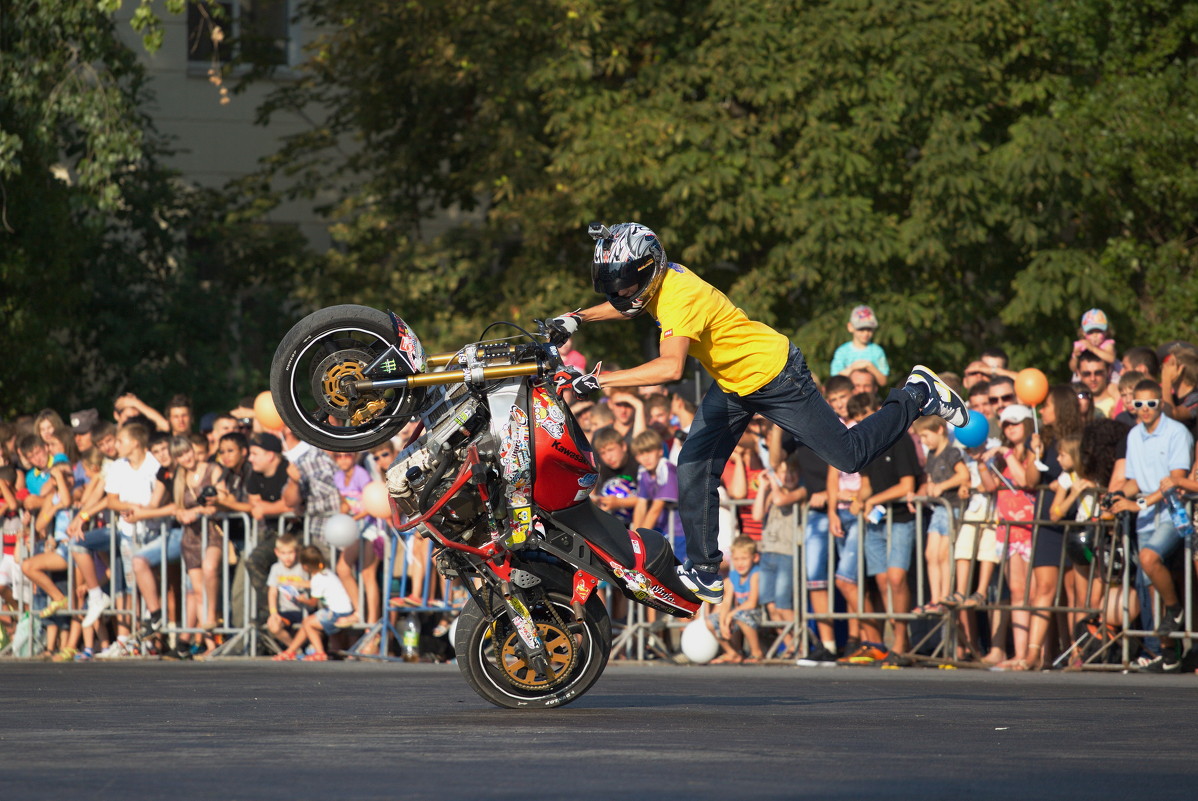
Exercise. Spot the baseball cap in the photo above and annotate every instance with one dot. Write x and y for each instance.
(1168, 349)
(267, 442)
(207, 421)
(1095, 319)
(83, 422)
(863, 317)
(1015, 413)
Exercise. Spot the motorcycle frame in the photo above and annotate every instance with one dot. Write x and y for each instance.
(591, 564)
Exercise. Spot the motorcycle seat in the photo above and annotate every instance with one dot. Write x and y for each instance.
(612, 537)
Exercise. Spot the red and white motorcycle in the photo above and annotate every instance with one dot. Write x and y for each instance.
(499, 479)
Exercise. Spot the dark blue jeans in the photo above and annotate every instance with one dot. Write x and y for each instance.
(792, 401)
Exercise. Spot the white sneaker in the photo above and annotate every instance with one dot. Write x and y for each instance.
(941, 399)
(95, 607)
(116, 650)
(705, 585)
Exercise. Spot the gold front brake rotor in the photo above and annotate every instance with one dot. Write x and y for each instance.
(334, 378)
(336, 373)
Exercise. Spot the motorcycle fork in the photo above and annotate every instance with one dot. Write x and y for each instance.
(494, 578)
(530, 642)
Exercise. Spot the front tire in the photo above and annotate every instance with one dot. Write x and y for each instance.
(319, 354)
(479, 657)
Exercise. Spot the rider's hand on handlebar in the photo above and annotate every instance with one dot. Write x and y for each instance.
(563, 327)
(582, 384)
(585, 385)
(565, 377)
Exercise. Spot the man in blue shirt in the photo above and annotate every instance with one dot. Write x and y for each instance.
(1159, 447)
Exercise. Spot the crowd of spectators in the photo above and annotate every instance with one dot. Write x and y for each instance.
(1005, 554)
(1009, 527)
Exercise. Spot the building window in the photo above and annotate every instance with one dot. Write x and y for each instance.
(257, 32)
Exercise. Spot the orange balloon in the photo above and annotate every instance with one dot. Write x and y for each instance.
(376, 501)
(265, 411)
(1031, 386)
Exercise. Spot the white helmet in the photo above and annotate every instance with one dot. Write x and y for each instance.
(629, 265)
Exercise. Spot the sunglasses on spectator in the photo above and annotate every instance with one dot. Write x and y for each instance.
(1008, 398)
(1146, 404)
(1092, 373)
(1083, 396)
(976, 372)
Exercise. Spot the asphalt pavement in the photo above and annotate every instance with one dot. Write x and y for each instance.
(255, 729)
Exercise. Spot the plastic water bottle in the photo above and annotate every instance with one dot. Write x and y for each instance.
(877, 514)
(411, 638)
(1181, 518)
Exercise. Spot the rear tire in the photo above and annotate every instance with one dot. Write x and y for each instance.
(477, 656)
(326, 346)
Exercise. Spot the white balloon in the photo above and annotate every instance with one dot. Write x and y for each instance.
(699, 645)
(341, 531)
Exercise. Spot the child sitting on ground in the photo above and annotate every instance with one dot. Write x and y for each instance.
(327, 595)
(740, 605)
(284, 585)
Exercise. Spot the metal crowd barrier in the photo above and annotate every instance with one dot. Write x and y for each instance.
(236, 633)
(1094, 645)
(1111, 648)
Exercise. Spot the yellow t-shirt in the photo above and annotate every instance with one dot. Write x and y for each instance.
(742, 355)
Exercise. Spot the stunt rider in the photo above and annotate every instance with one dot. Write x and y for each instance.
(756, 371)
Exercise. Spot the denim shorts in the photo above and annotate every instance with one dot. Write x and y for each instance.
(775, 580)
(292, 616)
(152, 551)
(328, 619)
(1162, 538)
(815, 549)
(750, 617)
(879, 558)
(846, 563)
(941, 523)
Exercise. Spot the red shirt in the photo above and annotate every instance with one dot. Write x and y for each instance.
(754, 478)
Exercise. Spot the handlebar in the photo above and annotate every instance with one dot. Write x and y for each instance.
(452, 377)
(528, 360)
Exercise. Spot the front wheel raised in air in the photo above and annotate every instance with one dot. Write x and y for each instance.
(312, 368)
(492, 665)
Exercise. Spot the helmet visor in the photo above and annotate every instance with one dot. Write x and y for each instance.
(614, 278)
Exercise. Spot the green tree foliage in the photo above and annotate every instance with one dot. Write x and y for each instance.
(981, 171)
(1110, 190)
(113, 277)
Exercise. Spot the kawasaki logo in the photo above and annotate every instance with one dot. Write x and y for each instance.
(557, 446)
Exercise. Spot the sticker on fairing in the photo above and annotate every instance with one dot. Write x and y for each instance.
(521, 518)
(524, 624)
(550, 417)
(409, 345)
(513, 451)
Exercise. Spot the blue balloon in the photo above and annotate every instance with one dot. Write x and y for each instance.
(975, 432)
